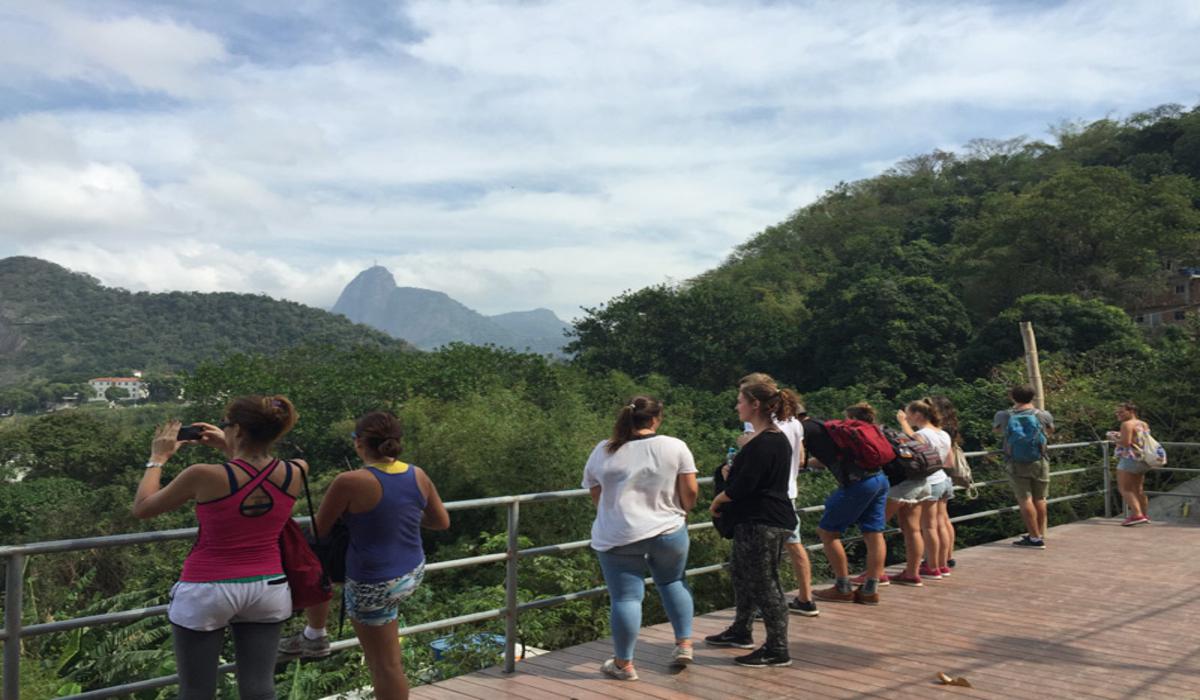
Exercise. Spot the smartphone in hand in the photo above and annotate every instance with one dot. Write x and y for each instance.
(190, 432)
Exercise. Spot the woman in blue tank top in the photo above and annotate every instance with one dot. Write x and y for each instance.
(384, 505)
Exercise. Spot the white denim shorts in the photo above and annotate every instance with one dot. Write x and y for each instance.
(911, 491)
(942, 490)
(205, 607)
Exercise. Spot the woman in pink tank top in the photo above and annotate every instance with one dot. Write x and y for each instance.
(233, 577)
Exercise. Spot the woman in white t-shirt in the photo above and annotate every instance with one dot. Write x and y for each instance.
(642, 485)
(921, 421)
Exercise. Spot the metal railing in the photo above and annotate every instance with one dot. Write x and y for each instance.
(14, 630)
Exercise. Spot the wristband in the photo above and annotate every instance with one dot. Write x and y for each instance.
(151, 464)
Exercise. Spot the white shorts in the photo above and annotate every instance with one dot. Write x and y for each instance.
(205, 607)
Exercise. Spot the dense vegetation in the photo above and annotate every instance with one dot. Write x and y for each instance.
(62, 326)
(888, 289)
(904, 277)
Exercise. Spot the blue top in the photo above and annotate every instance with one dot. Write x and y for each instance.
(385, 542)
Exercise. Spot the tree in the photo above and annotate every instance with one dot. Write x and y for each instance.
(116, 393)
(1091, 231)
(163, 388)
(1062, 322)
(707, 334)
(882, 332)
(86, 446)
(18, 400)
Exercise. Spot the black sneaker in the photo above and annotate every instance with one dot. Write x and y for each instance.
(950, 563)
(1030, 543)
(761, 658)
(729, 639)
(807, 608)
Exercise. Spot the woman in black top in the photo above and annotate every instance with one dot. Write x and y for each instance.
(756, 498)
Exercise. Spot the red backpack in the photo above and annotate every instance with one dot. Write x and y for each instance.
(861, 441)
(306, 577)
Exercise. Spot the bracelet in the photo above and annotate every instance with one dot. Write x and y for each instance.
(152, 464)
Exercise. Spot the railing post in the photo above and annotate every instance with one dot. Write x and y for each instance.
(14, 589)
(510, 590)
(1107, 481)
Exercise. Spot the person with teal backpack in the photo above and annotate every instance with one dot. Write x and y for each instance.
(1024, 428)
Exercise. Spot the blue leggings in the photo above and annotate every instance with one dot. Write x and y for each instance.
(624, 569)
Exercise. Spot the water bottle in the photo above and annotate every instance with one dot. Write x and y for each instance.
(729, 455)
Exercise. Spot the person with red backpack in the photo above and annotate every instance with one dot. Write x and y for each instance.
(846, 448)
(1025, 428)
(234, 575)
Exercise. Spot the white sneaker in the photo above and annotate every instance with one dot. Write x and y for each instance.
(684, 655)
(610, 669)
(305, 648)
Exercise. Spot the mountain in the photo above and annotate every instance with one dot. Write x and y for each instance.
(540, 327)
(63, 325)
(429, 319)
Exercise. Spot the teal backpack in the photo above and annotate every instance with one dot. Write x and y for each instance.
(1024, 437)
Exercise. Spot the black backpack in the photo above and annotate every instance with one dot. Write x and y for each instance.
(914, 459)
(724, 524)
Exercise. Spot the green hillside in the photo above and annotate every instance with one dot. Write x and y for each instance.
(65, 326)
(901, 278)
(905, 285)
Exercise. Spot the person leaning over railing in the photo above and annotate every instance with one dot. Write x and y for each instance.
(756, 499)
(860, 499)
(234, 574)
(384, 505)
(642, 486)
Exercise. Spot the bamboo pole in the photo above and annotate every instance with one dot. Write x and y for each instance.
(1032, 369)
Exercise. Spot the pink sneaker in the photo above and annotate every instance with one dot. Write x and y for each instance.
(862, 578)
(931, 574)
(1134, 520)
(945, 571)
(905, 580)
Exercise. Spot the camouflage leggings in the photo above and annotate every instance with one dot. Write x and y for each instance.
(754, 566)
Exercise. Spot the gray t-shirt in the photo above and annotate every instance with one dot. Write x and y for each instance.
(1000, 422)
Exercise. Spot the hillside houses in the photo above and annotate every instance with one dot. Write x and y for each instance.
(1179, 301)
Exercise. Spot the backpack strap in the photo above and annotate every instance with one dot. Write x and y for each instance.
(308, 497)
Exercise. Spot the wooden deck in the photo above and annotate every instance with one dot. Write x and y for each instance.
(1104, 612)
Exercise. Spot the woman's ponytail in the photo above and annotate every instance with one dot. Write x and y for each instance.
(926, 408)
(780, 404)
(636, 415)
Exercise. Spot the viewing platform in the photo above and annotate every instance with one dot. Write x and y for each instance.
(1104, 612)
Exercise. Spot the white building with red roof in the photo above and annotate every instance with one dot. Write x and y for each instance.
(136, 388)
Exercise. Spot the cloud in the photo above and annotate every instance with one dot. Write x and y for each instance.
(512, 154)
(128, 52)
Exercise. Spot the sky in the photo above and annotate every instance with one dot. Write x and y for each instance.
(513, 154)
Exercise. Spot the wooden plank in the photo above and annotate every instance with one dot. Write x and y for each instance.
(1018, 624)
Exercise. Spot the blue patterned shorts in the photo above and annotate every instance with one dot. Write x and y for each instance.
(379, 603)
